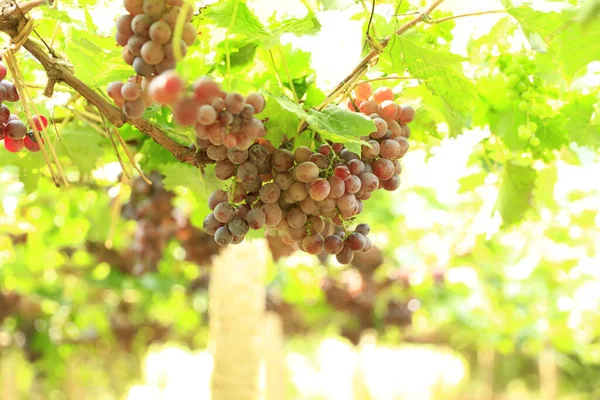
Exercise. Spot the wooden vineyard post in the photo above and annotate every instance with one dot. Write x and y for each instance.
(274, 357)
(236, 311)
(548, 374)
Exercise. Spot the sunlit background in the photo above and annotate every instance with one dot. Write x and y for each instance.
(476, 287)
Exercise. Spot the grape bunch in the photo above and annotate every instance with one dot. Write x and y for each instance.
(146, 34)
(295, 192)
(13, 131)
(221, 119)
(131, 96)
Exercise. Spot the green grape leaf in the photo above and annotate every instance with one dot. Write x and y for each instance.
(470, 182)
(179, 174)
(516, 190)
(308, 25)
(282, 118)
(246, 23)
(572, 42)
(154, 156)
(580, 126)
(82, 145)
(93, 63)
(438, 70)
(341, 126)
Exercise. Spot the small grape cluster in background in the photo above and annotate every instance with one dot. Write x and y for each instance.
(295, 193)
(146, 35)
(13, 131)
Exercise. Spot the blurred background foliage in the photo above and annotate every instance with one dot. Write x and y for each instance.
(489, 249)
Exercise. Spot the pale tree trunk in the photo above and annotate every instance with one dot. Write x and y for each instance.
(8, 376)
(485, 364)
(274, 358)
(367, 344)
(236, 312)
(548, 374)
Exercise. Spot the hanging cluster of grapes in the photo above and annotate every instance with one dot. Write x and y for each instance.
(158, 222)
(220, 119)
(293, 192)
(146, 35)
(13, 131)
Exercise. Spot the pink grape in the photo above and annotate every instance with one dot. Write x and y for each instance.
(247, 172)
(234, 102)
(382, 94)
(363, 91)
(223, 236)
(390, 149)
(353, 184)
(224, 170)
(224, 212)
(185, 112)
(369, 181)
(211, 224)
(368, 107)
(269, 193)
(302, 154)
(333, 244)
(392, 184)
(152, 52)
(257, 101)
(273, 214)
(282, 160)
(298, 191)
(123, 25)
(133, 7)
(342, 172)
(337, 187)
(296, 218)
(131, 91)
(383, 169)
(345, 256)
(13, 145)
(319, 189)
(313, 244)
(134, 109)
(356, 241)
(407, 114)
(218, 196)
(154, 8)
(160, 32)
(256, 218)
(238, 226)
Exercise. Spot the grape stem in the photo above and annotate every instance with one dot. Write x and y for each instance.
(440, 20)
(58, 70)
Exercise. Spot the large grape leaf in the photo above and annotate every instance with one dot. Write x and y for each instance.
(333, 123)
(515, 196)
(239, 19)
(341, 126)
(581, 125)
(245, 22)
(573, 43)
(92, 60)
(282, 118)
(440, 71)
(82, 145)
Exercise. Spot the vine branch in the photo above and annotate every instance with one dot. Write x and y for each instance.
(440, 20)
(360, 69)
(58, 70)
